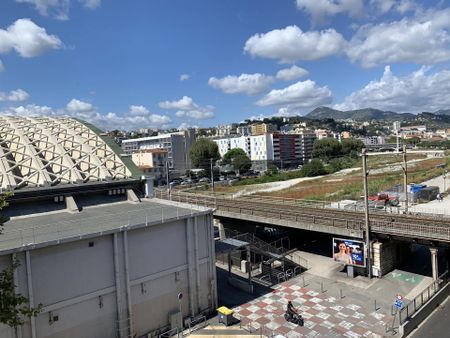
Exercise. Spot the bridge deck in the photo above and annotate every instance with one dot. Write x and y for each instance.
(316, 216)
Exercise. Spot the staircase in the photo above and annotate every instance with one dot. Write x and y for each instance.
(279, 263)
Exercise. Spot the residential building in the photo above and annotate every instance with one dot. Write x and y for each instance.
(283, 150)
(244, 130)
(262, 128)
(373, 140)
(152, 161)
(176, 144)
(225, 130)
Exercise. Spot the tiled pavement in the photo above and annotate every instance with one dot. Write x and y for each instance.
(325, 316)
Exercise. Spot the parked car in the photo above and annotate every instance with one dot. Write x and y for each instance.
(204, 180)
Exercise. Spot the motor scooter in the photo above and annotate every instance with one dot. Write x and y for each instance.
(294, 318)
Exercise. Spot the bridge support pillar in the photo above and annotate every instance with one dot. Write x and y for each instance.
(249, 266)
(434, 263)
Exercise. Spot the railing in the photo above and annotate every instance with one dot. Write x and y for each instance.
(413, 306)
(96, 224)
(410, 226)
(170, 333)
(196, 323)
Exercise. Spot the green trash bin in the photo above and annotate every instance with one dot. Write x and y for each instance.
(225, 315)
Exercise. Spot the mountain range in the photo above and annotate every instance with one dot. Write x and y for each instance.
(368, 114)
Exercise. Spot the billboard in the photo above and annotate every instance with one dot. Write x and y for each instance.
(349, 251)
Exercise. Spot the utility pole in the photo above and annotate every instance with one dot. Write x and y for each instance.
(167, 181)
(212, 175)
(366, 212)
(405, 178)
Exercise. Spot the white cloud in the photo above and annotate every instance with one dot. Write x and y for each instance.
(319, 10)
(77, 106)
(2, 67)
(14, 96)
(292, 73)
(58, 8)
(303, 94)
(27, 39)
(136, 117)
(138, 111)
(195, 114)
(250, 84)
(291, 44)
(424, 39)
(187, 108)
(402, 6)
(415, 92)
(29, 110)
(91, 4)
(185, 103)
(184, 77)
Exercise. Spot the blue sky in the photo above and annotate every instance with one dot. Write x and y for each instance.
(161, 63)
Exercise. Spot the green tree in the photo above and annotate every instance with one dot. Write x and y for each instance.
(351, 146)
(202, 151)
(238, 158)
(327, 148)
(313, 168)
(13, 307)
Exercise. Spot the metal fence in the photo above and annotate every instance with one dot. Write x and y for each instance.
(413, 306)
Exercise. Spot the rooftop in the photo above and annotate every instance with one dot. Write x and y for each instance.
(54, 227)
(54, 152)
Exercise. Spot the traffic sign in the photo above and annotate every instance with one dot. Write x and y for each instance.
(398, 302)
(180, 296)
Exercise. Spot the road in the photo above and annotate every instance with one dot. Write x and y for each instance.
(437, 325)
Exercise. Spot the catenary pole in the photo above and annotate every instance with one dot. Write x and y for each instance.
(366, 213)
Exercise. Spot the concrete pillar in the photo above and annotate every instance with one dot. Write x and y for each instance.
(221, 227)
(30, 292)
(191, 264)
(434, 263)
(249, 265)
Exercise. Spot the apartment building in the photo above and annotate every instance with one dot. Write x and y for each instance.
(262, 128)
(283, 150)
(176, 144)
(151, 161)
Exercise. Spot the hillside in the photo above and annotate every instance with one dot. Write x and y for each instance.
(365, 114)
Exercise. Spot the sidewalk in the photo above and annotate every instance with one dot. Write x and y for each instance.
(332, 304)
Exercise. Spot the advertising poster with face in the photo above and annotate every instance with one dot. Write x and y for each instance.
(349, 252)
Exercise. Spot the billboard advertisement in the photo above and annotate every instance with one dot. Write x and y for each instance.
(349, 251)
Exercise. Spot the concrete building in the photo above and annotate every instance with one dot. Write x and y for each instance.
(228, 143)
(176, 144)
(262, 128)
(244, 130)
(152, 162)
(225, 130)
(102, 261)
(373, 140)
(283, 150)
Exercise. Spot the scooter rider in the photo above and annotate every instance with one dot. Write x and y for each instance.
(291, 310)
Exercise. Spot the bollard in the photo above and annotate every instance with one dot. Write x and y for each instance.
(375, 305)
(340, 293)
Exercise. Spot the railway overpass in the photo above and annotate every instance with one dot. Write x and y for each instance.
(433, 232)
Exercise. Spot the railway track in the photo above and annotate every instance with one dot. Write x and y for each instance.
(426, 228)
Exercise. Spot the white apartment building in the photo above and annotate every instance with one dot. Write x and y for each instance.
(228, 143)
(284, 150)
(176, 144)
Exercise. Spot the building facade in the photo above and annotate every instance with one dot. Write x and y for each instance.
(102, 260)
(282, 150)
(262, 128)
(177, 146)
(152, 161)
